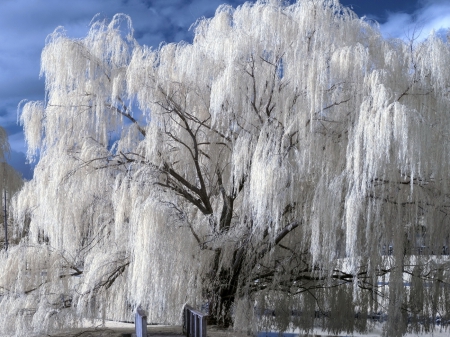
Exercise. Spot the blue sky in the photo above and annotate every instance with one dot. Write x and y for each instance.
(24, 25)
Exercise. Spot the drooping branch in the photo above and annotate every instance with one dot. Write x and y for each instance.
(108, 280)
(227, 204)
(127, 115)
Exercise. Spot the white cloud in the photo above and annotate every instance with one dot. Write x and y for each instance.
(433, 15)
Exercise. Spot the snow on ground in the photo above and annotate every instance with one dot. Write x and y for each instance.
(376, 332)
(116, 329)
(112, 328)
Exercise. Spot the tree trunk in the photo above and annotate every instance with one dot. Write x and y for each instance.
(223, 293)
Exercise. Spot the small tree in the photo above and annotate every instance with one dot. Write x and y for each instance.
(10, 182)
(290, 158)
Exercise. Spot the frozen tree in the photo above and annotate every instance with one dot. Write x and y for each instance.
(290, 159)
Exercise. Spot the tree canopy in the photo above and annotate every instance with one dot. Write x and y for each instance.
(289, 159)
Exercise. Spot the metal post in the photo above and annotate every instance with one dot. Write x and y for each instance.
(203, 328)
(196, 326)
(140, 323)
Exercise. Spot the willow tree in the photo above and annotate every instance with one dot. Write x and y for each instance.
(10, 183)
(290, 159)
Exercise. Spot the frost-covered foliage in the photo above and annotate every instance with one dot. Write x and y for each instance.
(10, 183)
(289, 159)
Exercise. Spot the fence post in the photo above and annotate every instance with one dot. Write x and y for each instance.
(140, 323)
(203, 326)
(194, 322)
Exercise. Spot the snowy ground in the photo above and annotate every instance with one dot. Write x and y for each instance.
(375, 333)
(118, 329)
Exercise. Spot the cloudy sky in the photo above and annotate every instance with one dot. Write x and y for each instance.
(24, 25)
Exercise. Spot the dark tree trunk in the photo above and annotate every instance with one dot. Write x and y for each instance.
(224, 292)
